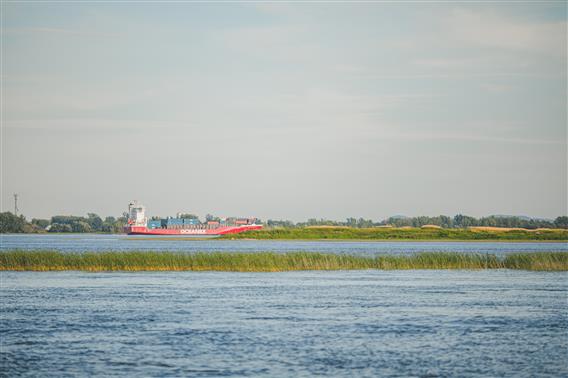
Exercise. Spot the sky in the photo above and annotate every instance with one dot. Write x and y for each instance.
(285, 110)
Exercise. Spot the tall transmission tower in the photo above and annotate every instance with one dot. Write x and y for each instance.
(16, 204)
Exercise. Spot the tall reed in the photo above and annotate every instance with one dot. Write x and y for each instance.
(272, 262)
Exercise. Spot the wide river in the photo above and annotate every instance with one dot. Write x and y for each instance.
(496, 323)
(98, 242)
(333, 323)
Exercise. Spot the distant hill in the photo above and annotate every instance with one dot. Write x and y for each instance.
(398, 217)
(523, 217)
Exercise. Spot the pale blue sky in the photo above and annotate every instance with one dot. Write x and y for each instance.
(285, 110)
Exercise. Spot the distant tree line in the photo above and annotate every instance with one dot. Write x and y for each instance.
(9, 223)
(458, 221)
(91, 223)
(464, 221)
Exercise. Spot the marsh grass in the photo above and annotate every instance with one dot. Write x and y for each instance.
(271, 262)
(384, 233)
(545, 261)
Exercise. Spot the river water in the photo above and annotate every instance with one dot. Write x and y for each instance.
(340, 323)
(333, 323)
(98, 242)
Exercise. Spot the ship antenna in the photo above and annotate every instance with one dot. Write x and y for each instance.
(16, 204)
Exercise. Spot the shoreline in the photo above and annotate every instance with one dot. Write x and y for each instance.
(274, 239)
(408, 240)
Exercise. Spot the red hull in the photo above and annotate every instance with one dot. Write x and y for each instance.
(143, 230)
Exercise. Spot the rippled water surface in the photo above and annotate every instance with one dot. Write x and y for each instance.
(94, 242)
(343, 323)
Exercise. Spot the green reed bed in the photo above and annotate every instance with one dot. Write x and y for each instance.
(378, 233)
(545, 261)
(272, 262)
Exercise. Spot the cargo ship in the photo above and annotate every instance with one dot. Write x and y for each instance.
(139, 224)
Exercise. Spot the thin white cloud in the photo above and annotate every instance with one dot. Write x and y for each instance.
(318, 108)
(280, 43)
(450, 63)
(369, 73)
(465, 137)
(496, 88)
(57, 31)
(84, 124)
(276, 8)
(72, 98)
(491, 29)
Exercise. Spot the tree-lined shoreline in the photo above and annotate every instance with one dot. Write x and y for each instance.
(93, 223)
(391, 233)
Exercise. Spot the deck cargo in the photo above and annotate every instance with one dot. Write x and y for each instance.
(138, 224)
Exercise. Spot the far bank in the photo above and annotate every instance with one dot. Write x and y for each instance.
(403, 233)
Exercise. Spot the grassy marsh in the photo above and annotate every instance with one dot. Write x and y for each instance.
(387, 233)
(271, 262)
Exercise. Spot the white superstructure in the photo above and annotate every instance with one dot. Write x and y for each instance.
(136, 214)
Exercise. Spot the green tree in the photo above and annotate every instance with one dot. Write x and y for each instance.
(41, 223)
(464, 221)
(95, 222)
(561, 222)
(279, 223)
(364, 223)
(81, 226)
(60, 227)
(10, 223)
